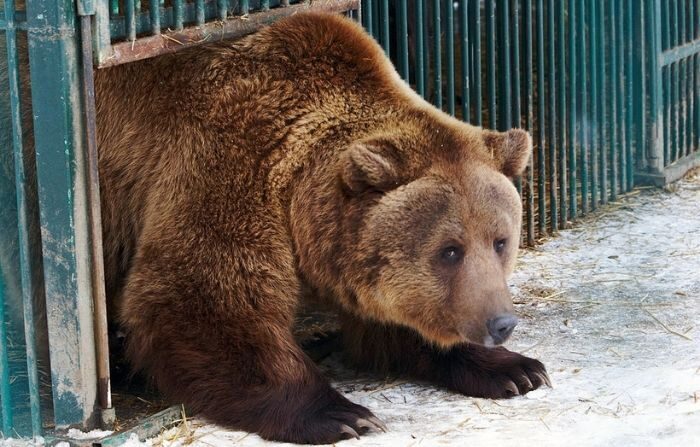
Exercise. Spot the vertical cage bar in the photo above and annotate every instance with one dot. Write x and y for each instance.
(245, 7)
(450, 53)
(420, 43)
(265, 5)
(593, 145)
(6, 403)
(516, 67)
(222, 9)
(384, 23)
(475, 30)
(692, 70)
(573, 92)
(541, 128)
(28, 276)
(603, 95)
(437, 55)
(490, 12)
(683, 105)
(621, 178)
(113, 7)
(464, 58)
(154, 10)
(629, 94)
(529, 120)
(63, 205)
(130, 19)
(675, 88)
(666, 79)
(585, 146)
(561, 107)
(552, 112)
(505, 100)
(179, 14)
(515, 54)
(368, 17)
(402, 38)
(612, 100)
(655, 152)
(199, 11)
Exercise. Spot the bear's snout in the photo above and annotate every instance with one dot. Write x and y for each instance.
(500, 329)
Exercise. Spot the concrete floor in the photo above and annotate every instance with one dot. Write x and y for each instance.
(610, 306)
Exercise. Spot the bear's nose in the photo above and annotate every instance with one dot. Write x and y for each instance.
(501, 327)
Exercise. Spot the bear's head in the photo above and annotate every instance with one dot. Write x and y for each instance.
(431, 228)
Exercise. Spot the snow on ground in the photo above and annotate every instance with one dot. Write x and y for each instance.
(612, 307)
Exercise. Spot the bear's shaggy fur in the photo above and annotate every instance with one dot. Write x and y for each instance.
(239, 177)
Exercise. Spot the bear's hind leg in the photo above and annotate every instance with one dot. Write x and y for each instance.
(469, 369)
(215, 334)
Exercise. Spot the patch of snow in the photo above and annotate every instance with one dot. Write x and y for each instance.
(74, 433)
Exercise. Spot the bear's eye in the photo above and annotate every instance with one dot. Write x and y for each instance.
(451, 255)
(499, 245)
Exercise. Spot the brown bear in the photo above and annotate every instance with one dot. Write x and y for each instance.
(240, 178)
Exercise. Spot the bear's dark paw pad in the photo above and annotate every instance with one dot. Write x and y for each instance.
(335, 422)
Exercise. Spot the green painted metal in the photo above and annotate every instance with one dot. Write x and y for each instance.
(58, 139)
(6, 404)
(490, 18)
(561, 107)
(612, 110)
(402, 38)
(147, 428)
(629, 94)
(475, 39)
(245, 6)
(384, 23)
(199, 11)
(505, 96)
(552, 118)
(464, 57)
(437, 55)
(529, 122)
(573, 108)
(450, 55)
(154, 9)
(541, 134)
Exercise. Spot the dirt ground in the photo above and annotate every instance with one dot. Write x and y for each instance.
(610, 306)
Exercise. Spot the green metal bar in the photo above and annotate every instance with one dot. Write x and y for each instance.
(199, 11)
(620, 179)
(592, 129)
(450, 52)
(666, 75)
(612, 101)
(505, 113)
(683, 105)
(475, 31)
(629, 94)
(367, 16)
(6, 401)
(420, 43)
(384, 23)
(464, 58)
(603, 95)
(265, 5)
(28, 276)
(154, 10)
(222, 9)
(130, 19)
(676, 86)
(402, 38)
(516, 68)
(245, 7)
(655, 152)
(113, 7)
(529, 120)
(692, 74)
(437, 55)
(640, 86)
(583, 95)
(561, 106)
(179, 14)
(573, 92)
(552, 112)
(541, 137)
(58, 138)
(491, 60)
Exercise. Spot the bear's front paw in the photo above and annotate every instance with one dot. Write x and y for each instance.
(332, 418)
(494, 372)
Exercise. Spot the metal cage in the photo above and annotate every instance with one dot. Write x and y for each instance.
(610, 91)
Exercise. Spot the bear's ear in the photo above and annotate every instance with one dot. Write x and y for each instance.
(369, 166)
(510, 150)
